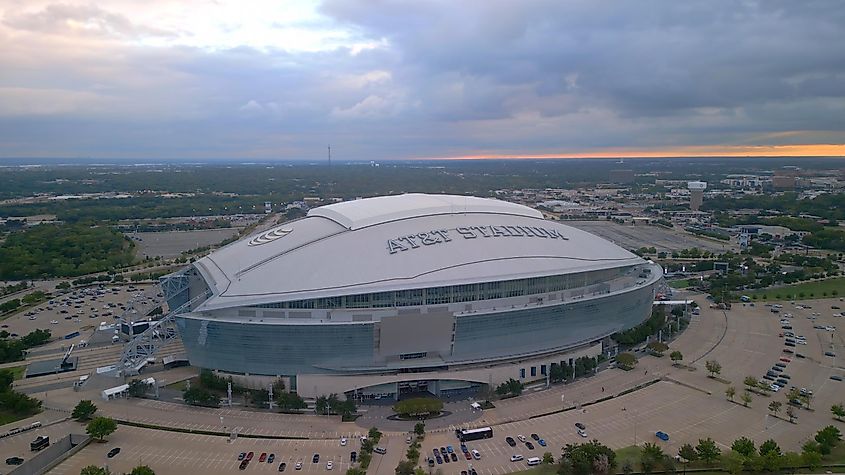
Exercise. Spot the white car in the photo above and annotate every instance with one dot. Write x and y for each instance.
(516, 458)
(54, 322)
(521, 438)
(582, 433)
(329, 465)
(476, 454)
(343, 441)
(774, 387)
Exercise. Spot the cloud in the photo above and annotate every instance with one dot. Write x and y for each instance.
(396, 79)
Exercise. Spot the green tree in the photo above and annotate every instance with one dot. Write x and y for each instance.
(827, 438)
(588, 458)
(94, 470)
(707, 450)
(657, 347)
(419, 428)
(84, 410)
(751, 382)
(626, 360)
(746, 398)
(774, 407)
(142, 470)
(650, 456)
(810, 456)
(730, 392)
(769, 446)
(197, 396)
(289, 401)
(676, 356)
(838, 411)
(405, 467)
(356, 471)
(744, 446)
(137, 388)
(7, 377)
(374, 434)
(713, 367)
(548, 458)
(101, 427)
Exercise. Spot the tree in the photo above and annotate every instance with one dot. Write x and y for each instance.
(650, 456)
(746, 398)
(142, 470)
(419, 428)
(101, 427)
(838, 411)
(356, 471)
(588, 458)
(744, 446)
(827, 439)
(657, 347)
(84, 410)
(676, 356)
(7, 377)
(289, 401)
(626, 360)
(548, 458)
(713, 367)
(730, 392)
(510, 387)
(374, 434)
(810, 456)
(790, 412)
(405, 467)
(197, 396)
(751, 382)
(707, 450)
(769, 446)
(94, 470)
(774, 407)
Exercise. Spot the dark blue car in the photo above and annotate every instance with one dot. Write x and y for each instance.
(662, 435)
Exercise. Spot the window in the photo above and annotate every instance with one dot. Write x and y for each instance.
(543, 369)
(522, 373)
(533, 371)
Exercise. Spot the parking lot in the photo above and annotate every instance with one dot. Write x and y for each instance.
(175, 453)
(170, 244)
(633, 237)
(683, 402)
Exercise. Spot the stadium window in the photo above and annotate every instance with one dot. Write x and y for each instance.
(543, 369)
(521, 373)
(533, 371)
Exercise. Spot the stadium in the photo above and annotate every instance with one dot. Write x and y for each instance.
(394, 295)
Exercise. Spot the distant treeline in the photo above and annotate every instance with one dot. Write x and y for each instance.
(827, 206)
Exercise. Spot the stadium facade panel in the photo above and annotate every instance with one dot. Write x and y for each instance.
(408, 293)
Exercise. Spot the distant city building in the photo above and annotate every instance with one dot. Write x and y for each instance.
(696, 194)
(783, 182)
(621, 176)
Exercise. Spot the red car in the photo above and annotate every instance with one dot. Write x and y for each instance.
(263, 457)
(249, 456)
(468, 456)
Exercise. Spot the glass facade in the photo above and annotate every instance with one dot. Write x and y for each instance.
(290, 349)
(457, 293)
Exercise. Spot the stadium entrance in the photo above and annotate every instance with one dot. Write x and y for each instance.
(446, 389)
(413, 389)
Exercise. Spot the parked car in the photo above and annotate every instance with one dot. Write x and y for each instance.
(580, 426)
(454, 456)
(282, 466)
(510, 441)
(529, 445)
(353, 456)
(271, 458)
(315, 458)
(662, 435)
(263, 457)
(516, 458)
(243, 464)
(14, 461)
(241, 455)
(113, 452)
(476, 454)
(535, 436)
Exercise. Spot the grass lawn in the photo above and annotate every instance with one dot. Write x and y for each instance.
(631, 454)
(791, 292)
(7, 417)
(17, 371)
(679, 284)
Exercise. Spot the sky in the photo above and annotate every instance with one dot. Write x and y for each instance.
(385, 79)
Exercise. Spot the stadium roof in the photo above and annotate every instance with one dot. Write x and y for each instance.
(397, 243)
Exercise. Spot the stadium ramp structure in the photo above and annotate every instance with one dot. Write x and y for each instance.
(143, 346)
